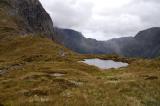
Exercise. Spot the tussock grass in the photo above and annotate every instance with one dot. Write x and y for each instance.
(28, 64)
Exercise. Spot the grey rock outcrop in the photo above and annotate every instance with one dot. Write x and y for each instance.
(31, 17)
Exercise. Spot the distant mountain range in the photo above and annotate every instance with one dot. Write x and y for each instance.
(145, 44)
(30, 17)
(37, 71)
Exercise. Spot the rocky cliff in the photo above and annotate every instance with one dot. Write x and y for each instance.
(30, 16)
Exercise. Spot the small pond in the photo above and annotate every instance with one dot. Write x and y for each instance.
(104, 64)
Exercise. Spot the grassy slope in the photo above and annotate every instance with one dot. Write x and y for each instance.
(28, 65)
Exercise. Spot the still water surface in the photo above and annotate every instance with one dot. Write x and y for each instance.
(104, 64)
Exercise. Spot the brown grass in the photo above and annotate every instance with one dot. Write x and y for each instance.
(28, 64)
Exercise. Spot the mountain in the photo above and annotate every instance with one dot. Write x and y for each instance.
(37, 71)
(149, 42)
(26, 30)
(144, 44)
(28, 16)
(77, 42)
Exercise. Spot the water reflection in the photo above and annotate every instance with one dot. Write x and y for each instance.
(105, 64)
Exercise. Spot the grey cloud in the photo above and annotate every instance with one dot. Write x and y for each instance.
(105, 24)
(69, 13)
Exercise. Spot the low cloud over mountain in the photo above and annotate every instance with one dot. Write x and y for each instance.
(104, 19)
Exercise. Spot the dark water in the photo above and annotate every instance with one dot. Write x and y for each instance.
(105, 64)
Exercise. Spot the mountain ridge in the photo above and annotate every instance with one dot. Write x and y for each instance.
(28, 17)
(37, 71)
(125, 46)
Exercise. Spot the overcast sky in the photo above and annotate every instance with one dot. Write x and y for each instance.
(104, 19)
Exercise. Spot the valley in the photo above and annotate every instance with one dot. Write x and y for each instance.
(37, 70)
(39, 75)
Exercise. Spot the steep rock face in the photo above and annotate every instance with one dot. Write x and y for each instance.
(151, 36)
(145, 44)
(149, 42)
(31, 17)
